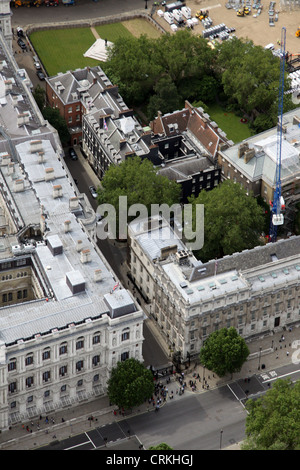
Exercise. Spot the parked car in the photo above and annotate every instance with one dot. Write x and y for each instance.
(22, 44)
(93, 191)
(37, 65)
(73, 154)
(40, 75)
(20, 32)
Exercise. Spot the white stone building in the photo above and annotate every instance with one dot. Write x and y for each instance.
(256, 291)
(65, 319)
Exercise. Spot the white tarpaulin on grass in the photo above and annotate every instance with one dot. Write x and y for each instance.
(98, 50)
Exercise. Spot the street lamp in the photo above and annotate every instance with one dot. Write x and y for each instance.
(259, 358)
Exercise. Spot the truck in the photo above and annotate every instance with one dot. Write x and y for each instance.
(177, 16)
(187, 13)
(68, 2)
(168, 17)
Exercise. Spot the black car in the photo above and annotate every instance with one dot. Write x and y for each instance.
(22, 44)
(73, 154)
(40, 75)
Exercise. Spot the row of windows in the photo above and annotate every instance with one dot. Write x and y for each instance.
(46, 376)
(10, 296)
(9, 276)
(63, 349)
(63, 389)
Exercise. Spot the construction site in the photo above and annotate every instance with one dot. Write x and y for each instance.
(250, 19)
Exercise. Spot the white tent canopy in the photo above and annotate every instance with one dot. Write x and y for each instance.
(98, 50)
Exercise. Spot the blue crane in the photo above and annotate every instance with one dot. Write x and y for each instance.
(276, 214)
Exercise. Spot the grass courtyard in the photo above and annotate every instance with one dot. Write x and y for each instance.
(62, 49)
(229, 123)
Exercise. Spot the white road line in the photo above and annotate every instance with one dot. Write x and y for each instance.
(281, 376)
(90, 440)
(235, 396)
(78, 445)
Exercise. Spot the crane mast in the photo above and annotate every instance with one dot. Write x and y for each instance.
(276, 215)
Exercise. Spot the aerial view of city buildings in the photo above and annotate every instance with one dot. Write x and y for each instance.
(73, 306)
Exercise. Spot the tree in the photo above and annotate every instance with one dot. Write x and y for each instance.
(161, 446)
(130, 384)
(250, 77)
(138, 66)
(273, 421)
(165, 99)
(233, 221)
(58, 122)
(224, 352)
(39, 95)
(138, 180)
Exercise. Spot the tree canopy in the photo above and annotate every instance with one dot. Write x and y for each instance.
(242, 75)
(130, 384)
(273, 421)
(224, 352)
(138, 180)
(233, 221)
(250, 78)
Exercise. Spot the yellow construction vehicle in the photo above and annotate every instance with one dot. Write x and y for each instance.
(243, 11)
(297, 33)
(201, 15)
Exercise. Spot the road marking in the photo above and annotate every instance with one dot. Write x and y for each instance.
(284, 375)
(90, 440)
(77, 445)
(235, 396)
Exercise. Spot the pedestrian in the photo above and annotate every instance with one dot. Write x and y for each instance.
(287, 353)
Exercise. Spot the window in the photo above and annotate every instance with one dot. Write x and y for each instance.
(63, 349)
(96, 360)
(79, 343)
(63, 370)
(46, 354)
(12, 387)
(125, 336)
(29, 360)
(29, 381)
(12, 365)
(46, 376)
(124, 356)
(96, 338)
(79, 366)
(70, 109)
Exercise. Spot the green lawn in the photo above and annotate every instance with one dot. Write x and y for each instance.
(112, 31)
(229, 123)
(62, 49)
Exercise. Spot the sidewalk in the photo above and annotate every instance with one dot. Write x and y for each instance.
(73, 421)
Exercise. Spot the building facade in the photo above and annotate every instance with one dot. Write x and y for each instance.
(65, 318)
(252, 163)
(256, 291)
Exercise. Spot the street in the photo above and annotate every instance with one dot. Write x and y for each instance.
(210, 420)
(83, 9)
